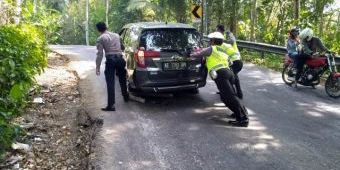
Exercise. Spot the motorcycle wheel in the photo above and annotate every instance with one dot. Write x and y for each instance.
(285, 72)
(332, 86)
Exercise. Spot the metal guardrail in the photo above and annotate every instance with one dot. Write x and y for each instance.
(261, 47)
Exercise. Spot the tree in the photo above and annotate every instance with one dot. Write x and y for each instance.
(87, 21)
(297, 10)
(253, 20)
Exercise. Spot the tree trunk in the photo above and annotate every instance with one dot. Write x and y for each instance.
(87, 22)
(233, 22)
(297, 10)
(107, 12)
(253, 21)
(321, 25)
(338, 25)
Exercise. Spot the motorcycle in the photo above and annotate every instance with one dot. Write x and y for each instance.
(313, 69)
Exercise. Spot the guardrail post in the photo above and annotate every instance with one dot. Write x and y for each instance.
(262, 54)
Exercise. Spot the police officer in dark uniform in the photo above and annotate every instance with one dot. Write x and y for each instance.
(217, 62)
(234, 56)
(113, 47)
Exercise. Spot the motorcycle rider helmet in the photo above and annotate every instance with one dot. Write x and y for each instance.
(306, 34)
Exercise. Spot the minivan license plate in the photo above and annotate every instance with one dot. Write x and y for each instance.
(174, 65)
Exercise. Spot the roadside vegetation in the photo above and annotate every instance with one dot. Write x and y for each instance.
(22, 55)
(271, 61)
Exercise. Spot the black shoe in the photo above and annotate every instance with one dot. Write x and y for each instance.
(126, 98)
(108, 109)
(239, 123)
(233, 115)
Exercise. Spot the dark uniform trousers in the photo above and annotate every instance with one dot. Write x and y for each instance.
(237, 67)
(224, 82)
(115, 63)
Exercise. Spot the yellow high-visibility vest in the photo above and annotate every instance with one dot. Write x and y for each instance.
(218, 59)
(231, 52)
(234, 45)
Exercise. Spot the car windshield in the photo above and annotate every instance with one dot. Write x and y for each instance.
(170, 39)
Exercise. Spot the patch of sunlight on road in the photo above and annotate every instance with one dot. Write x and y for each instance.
(193, 127)
(254, 123)
(262, 90)
(113, 133)
(263, 141)
(260, 146)
(315, 114)
(201, 111)
(209, 109)
(264, 136)
(139, 164)
(83, 67)
(329, 108)
(219, 104)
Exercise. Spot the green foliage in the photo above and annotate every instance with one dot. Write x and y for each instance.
(49, 20)
(23, 54)
(8, 133)
(271, 61)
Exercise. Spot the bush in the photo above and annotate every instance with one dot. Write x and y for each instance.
(272, 61)
(23, 54)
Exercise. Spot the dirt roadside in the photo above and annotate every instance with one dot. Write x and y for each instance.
(59, 131)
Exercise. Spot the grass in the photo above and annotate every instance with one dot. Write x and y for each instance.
(271, 61)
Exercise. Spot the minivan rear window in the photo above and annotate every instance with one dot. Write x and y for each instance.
(169, 39)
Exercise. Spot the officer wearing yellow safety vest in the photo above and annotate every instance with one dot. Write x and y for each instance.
(217, 62)
(234, 56)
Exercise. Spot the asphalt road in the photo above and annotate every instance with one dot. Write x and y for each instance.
(289, 130)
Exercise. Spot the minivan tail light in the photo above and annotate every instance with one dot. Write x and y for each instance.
(141, 55)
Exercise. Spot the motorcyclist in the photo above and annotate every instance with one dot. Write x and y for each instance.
(310, 46)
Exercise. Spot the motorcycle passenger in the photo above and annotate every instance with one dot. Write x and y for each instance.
(293, 50)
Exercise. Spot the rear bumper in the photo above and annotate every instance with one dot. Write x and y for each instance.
(157, 89)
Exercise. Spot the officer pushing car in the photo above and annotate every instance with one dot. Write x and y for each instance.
(217, 63)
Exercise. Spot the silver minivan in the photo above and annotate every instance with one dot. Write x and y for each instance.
(157, 57)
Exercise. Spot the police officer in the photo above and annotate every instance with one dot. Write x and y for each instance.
(235, 57)
(113, 47)
(218, 69)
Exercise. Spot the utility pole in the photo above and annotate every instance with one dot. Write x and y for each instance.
(87, 22)
(205, 19)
